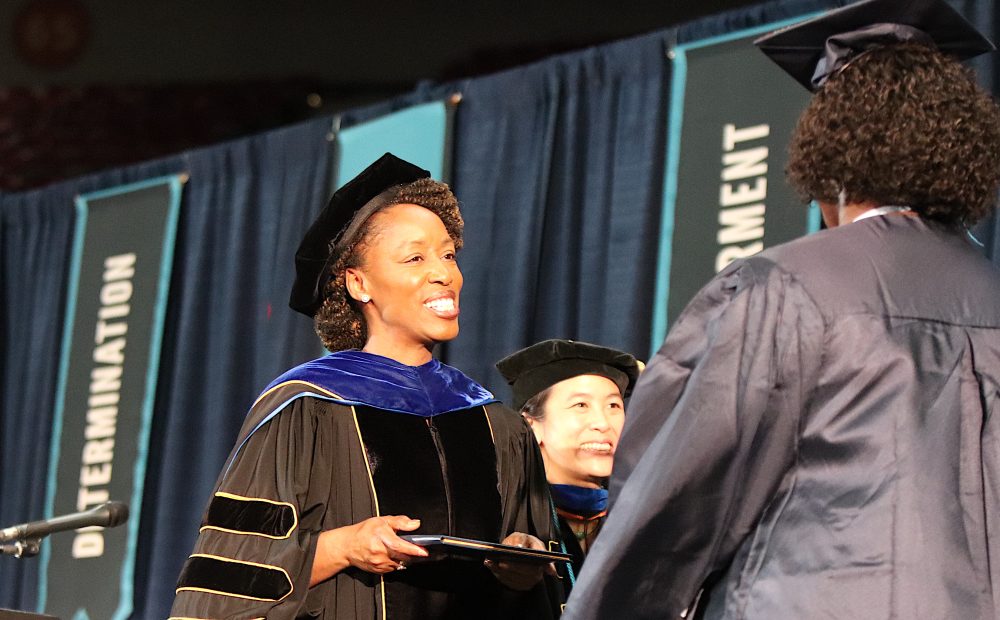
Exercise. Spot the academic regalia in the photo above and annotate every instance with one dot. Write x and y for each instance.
(818, 437)
(534, 369)
(571, 506)
(815, 50)
(350, 436)
(543, 364)
(576, 506)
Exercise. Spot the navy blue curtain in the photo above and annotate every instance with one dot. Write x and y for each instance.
(228, 332)
(36, 240)
(559, 167)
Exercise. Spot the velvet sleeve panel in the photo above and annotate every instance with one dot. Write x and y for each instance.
(300, 461)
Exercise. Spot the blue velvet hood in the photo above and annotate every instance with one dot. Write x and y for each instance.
(359, 378)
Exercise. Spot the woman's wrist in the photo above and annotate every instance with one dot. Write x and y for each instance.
(331, 554)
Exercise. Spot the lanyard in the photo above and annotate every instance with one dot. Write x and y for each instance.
(562, 545)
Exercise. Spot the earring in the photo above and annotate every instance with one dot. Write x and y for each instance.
(365, 299)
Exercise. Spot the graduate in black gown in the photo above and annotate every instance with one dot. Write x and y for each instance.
(819, 435)
(342, 455)
(573, 396)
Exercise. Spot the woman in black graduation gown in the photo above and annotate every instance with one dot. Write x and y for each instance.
(342, 455)
(572, 395)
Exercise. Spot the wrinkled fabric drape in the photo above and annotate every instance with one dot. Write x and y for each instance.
(559, 168)
(227, 333)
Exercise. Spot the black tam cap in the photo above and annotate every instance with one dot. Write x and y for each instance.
(814, 50)
(531, 370)
(348, 208)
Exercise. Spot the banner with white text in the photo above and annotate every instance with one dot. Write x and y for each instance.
(732, 112)
(115, 305)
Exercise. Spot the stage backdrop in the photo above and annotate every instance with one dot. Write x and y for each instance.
(560, 168)
(116, 301)
(732, 112)
(420, 134)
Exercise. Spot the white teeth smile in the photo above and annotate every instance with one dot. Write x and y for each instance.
(597, 447)
(443, 304)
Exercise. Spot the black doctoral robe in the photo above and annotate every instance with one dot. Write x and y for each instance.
(309, 459)
(816, 438)
(566, 573)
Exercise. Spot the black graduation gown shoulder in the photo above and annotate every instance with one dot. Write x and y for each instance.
(320, 465)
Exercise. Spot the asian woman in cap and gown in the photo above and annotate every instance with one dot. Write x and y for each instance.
(572, 394)
(341, 456)
(819, 435)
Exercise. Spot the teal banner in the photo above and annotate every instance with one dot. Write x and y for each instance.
(732, 112)
(419, 134)
(117, 297)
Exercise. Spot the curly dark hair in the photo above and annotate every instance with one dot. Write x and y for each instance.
(901, 125)
(339, 322)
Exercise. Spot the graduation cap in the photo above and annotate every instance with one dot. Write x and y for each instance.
(542, 365)
(337, 224)
(813, 50)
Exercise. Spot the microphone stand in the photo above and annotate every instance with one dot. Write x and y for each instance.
(25, 548)
(24, 541)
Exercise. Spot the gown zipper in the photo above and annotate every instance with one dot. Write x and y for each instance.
(436, 437)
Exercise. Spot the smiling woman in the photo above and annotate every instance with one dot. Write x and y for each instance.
(572, 395)
(341, 322)
(374, 440)
(411, 279)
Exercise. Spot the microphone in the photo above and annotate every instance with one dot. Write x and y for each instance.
(108, 514)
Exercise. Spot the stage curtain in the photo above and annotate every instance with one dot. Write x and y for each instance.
(36, 242)
(228, 332)
(559, 168)
(229, 328)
